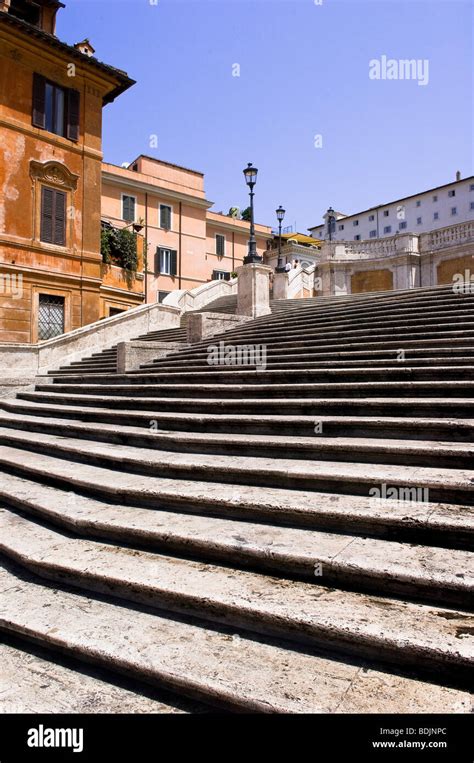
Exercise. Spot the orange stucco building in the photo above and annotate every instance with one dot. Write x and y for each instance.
(56, 194)
(51, 100)
(186, 243)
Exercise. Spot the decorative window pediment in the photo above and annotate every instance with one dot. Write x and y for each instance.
(54, 173)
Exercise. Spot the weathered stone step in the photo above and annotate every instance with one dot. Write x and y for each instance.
(405, 518)
(217, 666)
(387, 451)
(444, 576)
(407, 407)
(416, 636)
(283, 362)
(445, 429)
(299, 356)
(287, 343)
(362, 335)
(236, 374)
(342, 322)
(35, 681)
(436, 484)
(349, 390)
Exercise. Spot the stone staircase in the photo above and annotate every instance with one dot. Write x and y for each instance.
(106, 361)
(288, 538)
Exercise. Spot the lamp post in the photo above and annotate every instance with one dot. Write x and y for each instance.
(280, 213)
(250, 174)
(331, 216)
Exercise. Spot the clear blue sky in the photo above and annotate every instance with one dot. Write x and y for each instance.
(304, 70)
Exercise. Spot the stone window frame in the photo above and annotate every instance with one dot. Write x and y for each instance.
(52, 174)
(38, 289)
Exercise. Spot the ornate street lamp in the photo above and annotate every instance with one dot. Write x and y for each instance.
(250, 174)
(280, 213)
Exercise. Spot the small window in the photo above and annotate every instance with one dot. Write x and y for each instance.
(128, 208)
(418, 220)
(371, 218)
(165, 217)
(373, 234)
(386, 212)
(452, 193)
(472, 204)
(418, 203)
(341, 227)
(166, 261)
(471, 187)
(402, 226)
(50, 316)
(55, 108)
(357, 238)
(162, 295)
(435, 198)
(53, 216)
(454, 210)
(387, 229)
(220, 275)
(220, 245)
(355, 223)
(436, 216)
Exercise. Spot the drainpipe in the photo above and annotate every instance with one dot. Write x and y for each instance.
(180, 242)
(145, 254)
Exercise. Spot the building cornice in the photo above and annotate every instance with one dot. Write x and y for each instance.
(140, 185)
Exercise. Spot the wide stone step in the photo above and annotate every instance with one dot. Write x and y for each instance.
(445, 429)
(409, 517)
(340, 344)
(36, 681)
(343, 322)
(445, 389)
(283, 362)
(219, 666)
(434, 484)
(408, 407)
(444, 576)
(381, 451)
(417, 636)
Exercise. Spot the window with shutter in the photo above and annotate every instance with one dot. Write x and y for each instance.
(165, 217)
(128, 208)
(166, 261)
(220, 275)
(220, 245)
(55, 108)
(53, 217)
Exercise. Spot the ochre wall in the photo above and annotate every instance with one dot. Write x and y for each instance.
(449, 268)
(371, 280)
(72, 271)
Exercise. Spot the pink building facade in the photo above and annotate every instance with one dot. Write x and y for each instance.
(185, 243)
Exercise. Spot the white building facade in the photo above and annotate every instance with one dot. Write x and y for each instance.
(439, 207)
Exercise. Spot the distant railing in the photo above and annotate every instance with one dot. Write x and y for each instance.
(444, 237)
